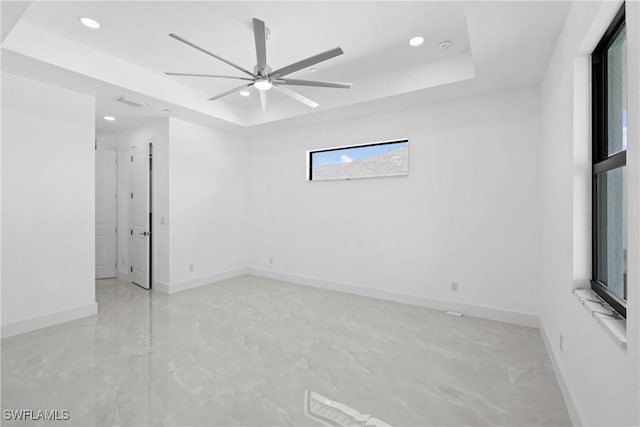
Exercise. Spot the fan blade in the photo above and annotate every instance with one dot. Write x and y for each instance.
(263, 100)
(296, 96)
(207, 75)
(261, 45)
(187, 42)
(229, 92)
(297, 82)
(312, 60)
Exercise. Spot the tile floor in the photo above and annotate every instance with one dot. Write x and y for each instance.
(247, 351)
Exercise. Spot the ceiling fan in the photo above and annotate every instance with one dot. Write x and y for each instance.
(262, 77)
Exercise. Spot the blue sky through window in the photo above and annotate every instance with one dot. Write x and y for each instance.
(347, 155)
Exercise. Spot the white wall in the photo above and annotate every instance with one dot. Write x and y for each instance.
(600, 376)
(47, 205)
(208, 204)
(467, 212)
(156, 132)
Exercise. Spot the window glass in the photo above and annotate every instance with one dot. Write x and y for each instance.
(365, 161)
(611, 230)
(617, 94)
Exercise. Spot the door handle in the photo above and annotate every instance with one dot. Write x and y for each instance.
(145, 234)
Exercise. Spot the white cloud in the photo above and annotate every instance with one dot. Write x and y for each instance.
(345, 159)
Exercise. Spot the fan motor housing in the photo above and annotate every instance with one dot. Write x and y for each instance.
(266, 73)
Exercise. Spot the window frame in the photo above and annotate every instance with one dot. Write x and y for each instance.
(601, 161)
(310, 154)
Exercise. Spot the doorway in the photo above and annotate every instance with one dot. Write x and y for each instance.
(123, 213)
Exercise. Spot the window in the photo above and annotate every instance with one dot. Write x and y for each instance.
(609, 136)
(389, 158)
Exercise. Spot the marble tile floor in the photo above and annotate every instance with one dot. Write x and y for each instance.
(247, 351)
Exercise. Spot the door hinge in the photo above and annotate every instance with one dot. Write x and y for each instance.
(132, 195)
(131, 230)
(131, 269)
(132, 158)
(116, 229)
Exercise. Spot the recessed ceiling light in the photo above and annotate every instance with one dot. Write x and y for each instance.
(109, 118)
(445, 44)
(262, 84)
(313, 70)
(91, 23)
(416, 41)
(245, 93)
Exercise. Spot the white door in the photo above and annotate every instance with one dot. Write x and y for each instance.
(105, 214)
(140, 213)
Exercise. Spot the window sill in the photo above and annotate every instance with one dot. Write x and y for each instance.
(604, 314)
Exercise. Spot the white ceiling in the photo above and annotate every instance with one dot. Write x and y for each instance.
(496, 44)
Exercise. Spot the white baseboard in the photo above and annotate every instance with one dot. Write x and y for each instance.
(569, 402)
(491, 313)
(195, 283)
(28, 325)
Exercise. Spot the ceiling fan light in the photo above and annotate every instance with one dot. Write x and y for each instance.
(245, 93)
(89, 22)
(263, 84)
(416, 41)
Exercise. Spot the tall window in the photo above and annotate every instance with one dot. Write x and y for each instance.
(609, 216)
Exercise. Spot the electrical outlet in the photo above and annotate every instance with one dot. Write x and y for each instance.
(270, 260)
(561, 342)
(191, 268)
(454, 286)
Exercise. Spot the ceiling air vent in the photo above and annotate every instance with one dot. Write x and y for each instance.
(132, 102)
